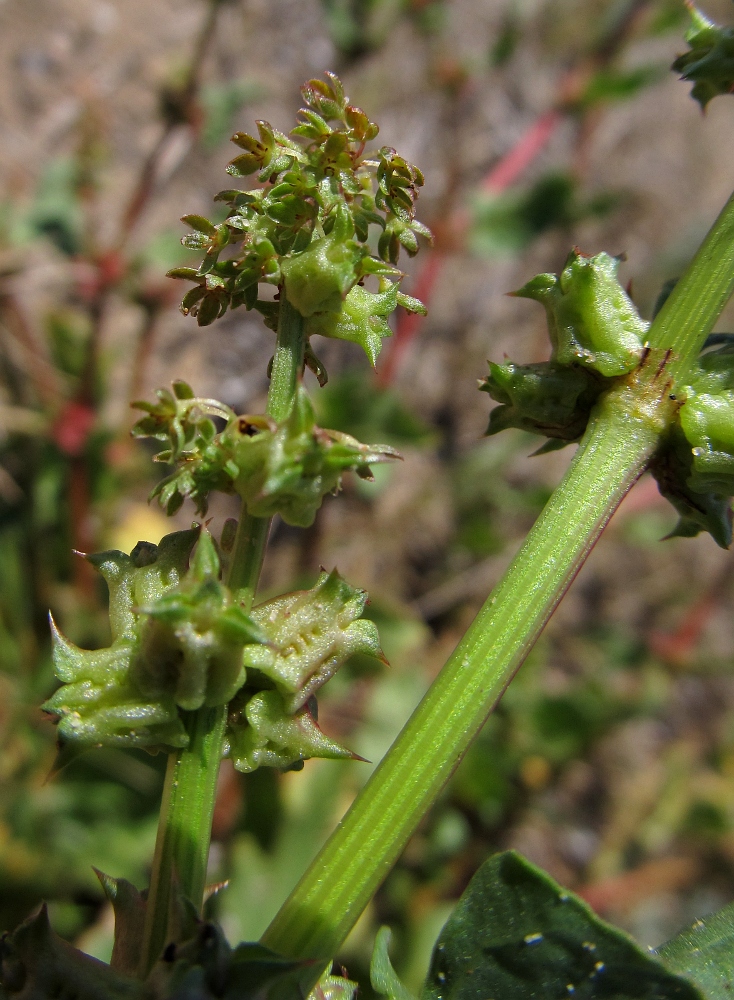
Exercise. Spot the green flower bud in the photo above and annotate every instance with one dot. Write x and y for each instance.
(311, 633)
(318, 279)
(262, 733)
(591, 319)
(544, 398)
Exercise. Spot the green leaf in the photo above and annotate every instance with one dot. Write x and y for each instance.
(383, 977)
(705, 954)
(35, 963)
(129, 908)
(517, 935)
(199, 224)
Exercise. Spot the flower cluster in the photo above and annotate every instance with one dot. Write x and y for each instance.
(284, 468)
(181, 641)
(306, 226)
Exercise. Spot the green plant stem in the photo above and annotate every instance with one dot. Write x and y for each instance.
(619, 441)
(252, 532)
(184, 827)
(694, 305)
(247, 556)
(287, 364)
(189, 791)
(335, 890)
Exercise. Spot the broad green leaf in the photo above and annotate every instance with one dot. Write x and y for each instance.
(705, 954)
(517, 935)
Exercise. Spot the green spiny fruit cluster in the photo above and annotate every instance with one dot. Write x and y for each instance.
(597, 339)
(181, 640)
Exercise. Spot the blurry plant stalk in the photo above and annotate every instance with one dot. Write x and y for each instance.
(189, 793)
(621, 437)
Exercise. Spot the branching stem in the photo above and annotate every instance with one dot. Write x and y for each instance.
(620, 439)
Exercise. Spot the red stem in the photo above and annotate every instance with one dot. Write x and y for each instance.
(510, 167)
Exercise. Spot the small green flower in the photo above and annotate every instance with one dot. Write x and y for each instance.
(284, 468)
(591, 319)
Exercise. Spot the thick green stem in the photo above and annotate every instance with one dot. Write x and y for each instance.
(184, 828)
(621, 437)
(334, 891)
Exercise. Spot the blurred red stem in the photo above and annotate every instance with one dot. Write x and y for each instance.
(503, 175)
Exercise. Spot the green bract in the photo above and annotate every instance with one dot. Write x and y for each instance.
(695, 465)
(181, 641)
(284, 468)
(177, 640)
(308, 228)
(591, 319)
(709, 64)
(318, 279)
(261, 733)
(311, 633)
(544, 398)
(100, 701)
(191, 638)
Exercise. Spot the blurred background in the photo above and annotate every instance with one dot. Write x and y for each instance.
(540, 125)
